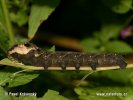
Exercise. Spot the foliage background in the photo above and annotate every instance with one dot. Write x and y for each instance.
(99, 26)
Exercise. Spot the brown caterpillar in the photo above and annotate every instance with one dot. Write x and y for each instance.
(30, 54)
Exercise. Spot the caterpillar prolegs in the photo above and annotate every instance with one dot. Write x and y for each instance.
(30, 54)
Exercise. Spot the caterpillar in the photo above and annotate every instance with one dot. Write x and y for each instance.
(30, 54)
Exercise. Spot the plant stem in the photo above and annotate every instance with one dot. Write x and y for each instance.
(8, 22)
(87, 68)
(85, 77)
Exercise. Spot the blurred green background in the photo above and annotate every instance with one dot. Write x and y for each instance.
(94, 26)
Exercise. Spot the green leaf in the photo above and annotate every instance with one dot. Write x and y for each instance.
(129, 97)
(21, 39)
(7, 75)
(109, 30)
(52, 95)
(2, 19)
(4, 95)
(118, 47)
(52, 48)
(8, 62)
(22, 78)
(122, 76)
(40, 11)
(119, 6)
(18, 79)
(4, 77)
(4, 39)
(90, 45)
(20, 17)
(93, 93)
(27, 98)
(3, 32)
(111, 25)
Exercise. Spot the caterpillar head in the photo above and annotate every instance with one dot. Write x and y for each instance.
(22, 48)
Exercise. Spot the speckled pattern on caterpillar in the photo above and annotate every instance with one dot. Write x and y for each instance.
(30, 54)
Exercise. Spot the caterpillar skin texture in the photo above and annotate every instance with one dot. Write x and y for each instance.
(30, 54)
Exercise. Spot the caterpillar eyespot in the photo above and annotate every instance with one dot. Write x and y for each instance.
(30, 54)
